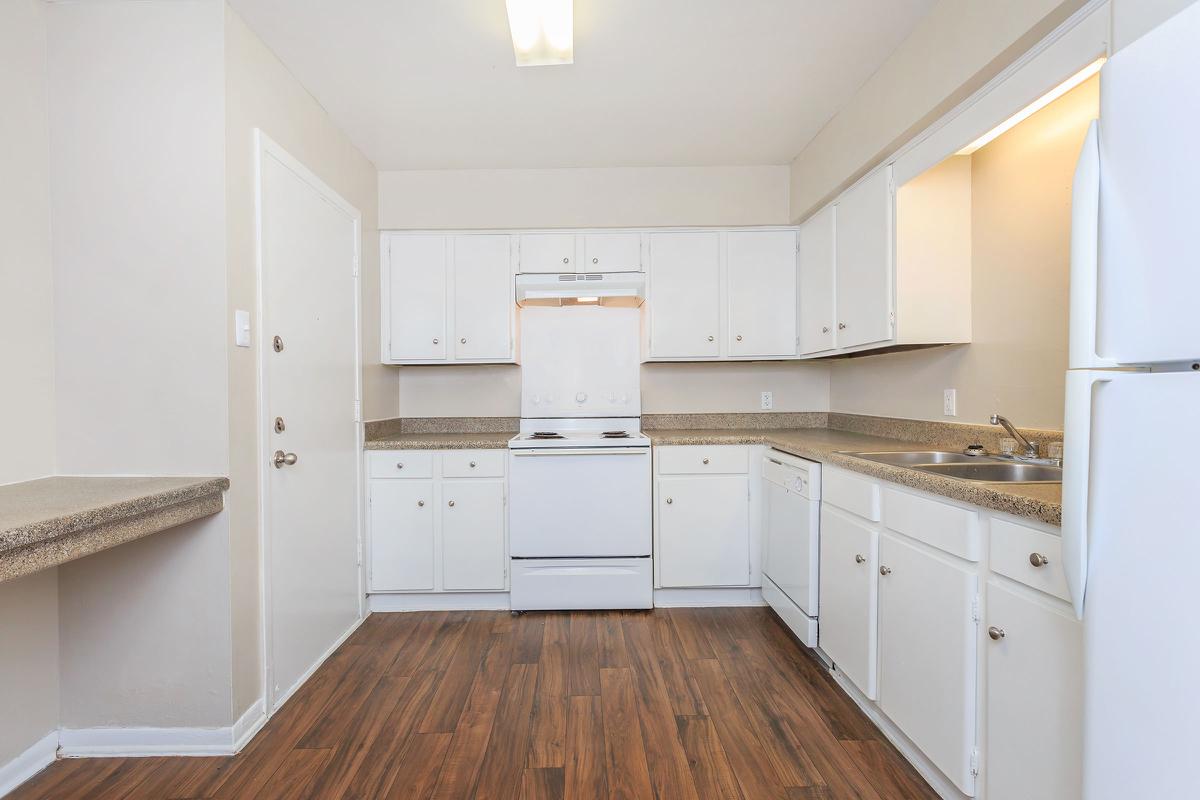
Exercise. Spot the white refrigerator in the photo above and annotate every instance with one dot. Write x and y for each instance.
(1131, 488)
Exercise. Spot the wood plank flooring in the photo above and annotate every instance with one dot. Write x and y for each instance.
(679, 704)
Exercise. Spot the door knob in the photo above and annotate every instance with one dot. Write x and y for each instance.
(885, 570)
(996, 634)
(280, 458)
(1038, 560)
(859, 558)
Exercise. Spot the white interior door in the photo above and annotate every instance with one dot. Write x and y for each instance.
(864, 261)
(762, 293)
(309, 240)
(685, 295)
(483, 297)
(816, 282)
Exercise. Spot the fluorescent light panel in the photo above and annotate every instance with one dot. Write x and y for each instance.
(1034, 107)
(542, 31)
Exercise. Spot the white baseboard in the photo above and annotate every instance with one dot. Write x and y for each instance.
(39, 756)
(707, 598)
(439, 601)
(944, 787)
(249, 724)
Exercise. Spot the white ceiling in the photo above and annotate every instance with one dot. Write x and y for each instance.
(431, 84)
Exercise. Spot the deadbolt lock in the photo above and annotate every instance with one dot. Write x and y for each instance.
(279, 426)
(277, 343)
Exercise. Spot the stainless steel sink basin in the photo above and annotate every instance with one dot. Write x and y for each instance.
(996, 471)
(913, 457)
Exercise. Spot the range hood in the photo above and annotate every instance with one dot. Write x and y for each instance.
(623, 289)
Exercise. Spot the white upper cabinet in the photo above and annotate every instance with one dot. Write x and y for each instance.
(547, 252)
(611, 252)
(448, 299)
(762, 293)
(815, 254)
(864, 261)
(483, 298)
(685, 295)
(414, 305)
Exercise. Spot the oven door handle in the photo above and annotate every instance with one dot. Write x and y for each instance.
(585, 451)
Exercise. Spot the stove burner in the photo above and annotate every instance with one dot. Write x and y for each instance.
(615, 435)
(546, 435)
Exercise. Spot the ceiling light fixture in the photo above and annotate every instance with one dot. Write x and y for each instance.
(1034, 107)
(542, 31)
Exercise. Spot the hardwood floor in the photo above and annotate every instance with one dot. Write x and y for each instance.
(679, 704)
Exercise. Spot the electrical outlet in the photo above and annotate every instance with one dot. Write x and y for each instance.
(950, 402)
(767, 402)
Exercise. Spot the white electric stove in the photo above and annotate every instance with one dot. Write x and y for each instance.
(579, 506)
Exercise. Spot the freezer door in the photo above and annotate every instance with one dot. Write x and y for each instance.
(1142, 654)
(1149, 275)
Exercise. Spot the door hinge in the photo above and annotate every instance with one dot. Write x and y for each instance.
(975, 616)
(975, 761)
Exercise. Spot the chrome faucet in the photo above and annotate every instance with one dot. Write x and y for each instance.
(1031, 448)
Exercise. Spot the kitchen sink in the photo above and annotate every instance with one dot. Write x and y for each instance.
(914, 457)
(996, 471)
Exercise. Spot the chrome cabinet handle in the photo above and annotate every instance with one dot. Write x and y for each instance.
(710, 338)
(841, 326)
(566, 260)
(885, 570)
(859, 558)
(705, 461)
(1038, 560)
(435, 341)
(462, 340)
(669, 501)
(472, 465)
(739, 337)
(280, 458)
(399, 465)
(824, 329)
(996, 634)
(420, 504)
(595, 260)
(451, 504)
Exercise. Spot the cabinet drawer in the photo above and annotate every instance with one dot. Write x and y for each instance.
(950, 528)
(400, 464)
(473, 463)
(849, 492)
(703, 460)
(1014, 550)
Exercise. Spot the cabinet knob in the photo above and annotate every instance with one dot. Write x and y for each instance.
(705, 461)
(472, 465)
(595, 260)
(451, 504)
(885, 570)
(462, 340)
(739, 337)
(566, 260)
(420, 504)
(435, 341)
(841, 326)
(399, 465)
(1038, 560)
(996, 634)
(824, 329)
(669, 501)
(859, 558)
(710, 338)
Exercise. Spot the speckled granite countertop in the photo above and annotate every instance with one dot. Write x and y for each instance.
(50, 521)
(1042, 502)
(439, 441)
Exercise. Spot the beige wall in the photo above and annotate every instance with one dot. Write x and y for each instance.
(28, 607)
(1132, 18)
(1020, 251)
(585, 198)
(495, 391)
(137, 196)
(261, 93)
(973, 39)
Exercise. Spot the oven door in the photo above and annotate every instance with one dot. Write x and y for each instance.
(579, 502)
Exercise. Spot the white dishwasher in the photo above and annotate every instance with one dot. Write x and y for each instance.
(792, 487)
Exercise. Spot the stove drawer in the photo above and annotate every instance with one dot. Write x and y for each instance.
(703, 460)
(588, 583)
(473, 463)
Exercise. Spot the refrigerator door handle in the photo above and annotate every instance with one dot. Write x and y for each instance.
(1077, 421)
(1085, 259)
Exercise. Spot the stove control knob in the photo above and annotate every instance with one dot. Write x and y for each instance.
(581, 397)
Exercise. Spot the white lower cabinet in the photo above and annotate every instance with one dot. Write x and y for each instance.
(848, 625)
(928, 647)
(433, 532)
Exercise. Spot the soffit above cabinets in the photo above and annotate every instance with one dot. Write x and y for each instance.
(432, 85)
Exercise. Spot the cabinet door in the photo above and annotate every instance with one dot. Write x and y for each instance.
(417, 294)
(473, 553)
(704, 531)
(816, 283)
(685, 295)
(402, 535)
(612, 252)
(849, 625)
(547, 252)
(1033, 676)
(864, 261)
(483, 298)
(762, 293)
(928, 646)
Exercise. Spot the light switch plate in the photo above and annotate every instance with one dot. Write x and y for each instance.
(950, 402)
(241, 328)
(767, 401)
